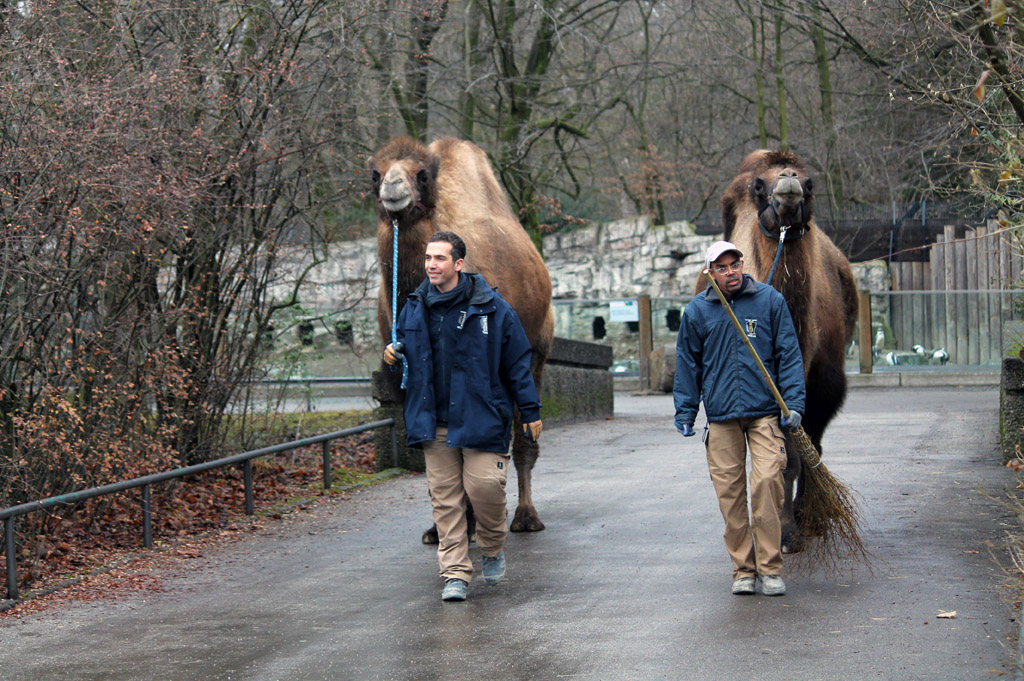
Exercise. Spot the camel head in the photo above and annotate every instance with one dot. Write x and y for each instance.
(404, 174)
(781, 190)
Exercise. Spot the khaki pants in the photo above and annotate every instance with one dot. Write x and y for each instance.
(754, 539)
(452, 474)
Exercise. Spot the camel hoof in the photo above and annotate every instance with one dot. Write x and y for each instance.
(526, 522)
(792, 545)
(430, 536)
(791, 540)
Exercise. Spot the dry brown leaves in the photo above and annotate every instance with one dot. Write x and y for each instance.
(82, 557)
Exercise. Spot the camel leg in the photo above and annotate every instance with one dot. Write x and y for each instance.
(790, 535)
(524, 455)
(430, 536)
(826, 392)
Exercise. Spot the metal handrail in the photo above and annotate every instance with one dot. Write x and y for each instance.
(245, 458)
(311, 379)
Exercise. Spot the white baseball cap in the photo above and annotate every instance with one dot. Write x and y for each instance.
(717, 249)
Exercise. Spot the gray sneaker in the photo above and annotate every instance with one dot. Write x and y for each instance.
(743, 586)
(454, 590)
(772, 585)
(494, 568)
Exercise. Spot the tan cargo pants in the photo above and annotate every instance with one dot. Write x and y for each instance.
(451, 472)
(754, 538)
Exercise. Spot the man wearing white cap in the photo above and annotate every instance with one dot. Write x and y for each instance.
(714, 365)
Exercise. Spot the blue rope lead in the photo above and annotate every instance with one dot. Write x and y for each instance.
(394, 303)
(782, 238)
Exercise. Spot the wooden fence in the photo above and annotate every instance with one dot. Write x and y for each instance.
(959, 299)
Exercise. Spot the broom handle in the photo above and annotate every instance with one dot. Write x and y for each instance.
(753, 352)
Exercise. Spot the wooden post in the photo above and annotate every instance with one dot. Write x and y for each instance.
(864, 330)
(963, 350)
(896, 273)
(917, 303)
(986, 332)
(646, 342)
(937, 307)
(948, 286)
(972, 300)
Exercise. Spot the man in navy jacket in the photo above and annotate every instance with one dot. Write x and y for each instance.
(714, 365)
(469, 367)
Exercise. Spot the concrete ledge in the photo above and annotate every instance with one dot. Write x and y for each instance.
(922, 379)
(925, 380)
(575, 353)
(577, 385)
(1011, 408)
(573, 394)
(873, 380)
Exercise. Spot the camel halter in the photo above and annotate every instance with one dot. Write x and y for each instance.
(394, 302)
(802, 227)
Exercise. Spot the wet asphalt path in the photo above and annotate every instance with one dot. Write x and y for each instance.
(629, 581)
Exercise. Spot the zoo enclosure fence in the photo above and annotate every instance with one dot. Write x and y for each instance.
(9, 514)
(970, 328)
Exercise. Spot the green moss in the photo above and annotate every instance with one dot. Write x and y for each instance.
(554, 405)
(348, 477)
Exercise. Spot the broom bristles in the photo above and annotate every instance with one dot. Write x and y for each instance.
(829, 521)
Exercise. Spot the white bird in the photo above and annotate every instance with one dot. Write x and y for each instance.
(941, 356)
(892, 359)
(919, 349)
(879, 340)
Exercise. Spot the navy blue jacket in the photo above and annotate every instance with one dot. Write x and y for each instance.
(490, 372)
(713, 363)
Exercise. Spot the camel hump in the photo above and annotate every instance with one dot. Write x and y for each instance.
(762, 159)
(467, 176)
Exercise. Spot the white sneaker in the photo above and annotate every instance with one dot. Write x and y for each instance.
(772, 585)
(743, 586)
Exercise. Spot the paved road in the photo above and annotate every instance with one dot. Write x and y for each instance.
(630, 580)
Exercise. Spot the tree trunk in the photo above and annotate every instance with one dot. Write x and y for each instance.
(780, 84)
(473, 60)
(833, 164)
(757, 33)
(520, 91)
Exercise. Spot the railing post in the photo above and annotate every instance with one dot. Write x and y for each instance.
(394, 444)
(147, 517)
(12, 567)
(327, 465)
(646, 339)
(247, 476)
(864, 332)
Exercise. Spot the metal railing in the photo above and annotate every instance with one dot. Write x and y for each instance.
(245, 458)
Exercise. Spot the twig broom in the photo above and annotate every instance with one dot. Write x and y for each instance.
(829, 520)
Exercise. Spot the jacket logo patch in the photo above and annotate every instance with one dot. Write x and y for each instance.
(483, 325)
(462, 319)
(501, 464)
(751, 328)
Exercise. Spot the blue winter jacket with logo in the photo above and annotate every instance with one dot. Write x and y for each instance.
(713, 363)
(490, 371)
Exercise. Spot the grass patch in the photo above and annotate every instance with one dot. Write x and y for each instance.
(254, 431)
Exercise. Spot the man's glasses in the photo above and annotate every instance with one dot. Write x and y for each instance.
(736, 266)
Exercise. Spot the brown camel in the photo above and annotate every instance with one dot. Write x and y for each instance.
(450, 185)
(772, 191)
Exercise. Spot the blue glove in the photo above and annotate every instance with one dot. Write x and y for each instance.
(793, 422)
(687, 430)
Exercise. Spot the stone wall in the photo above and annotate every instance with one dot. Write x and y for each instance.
(589, 268)
(625, 259)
